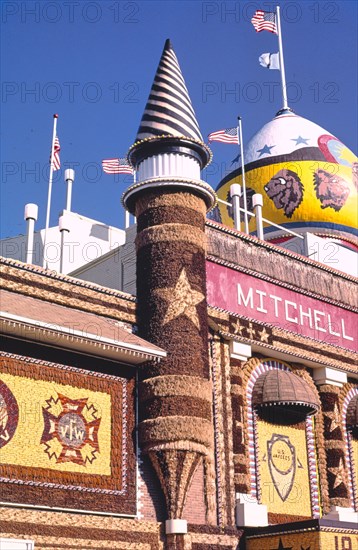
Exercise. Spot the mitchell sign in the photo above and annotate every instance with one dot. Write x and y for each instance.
(263, 301)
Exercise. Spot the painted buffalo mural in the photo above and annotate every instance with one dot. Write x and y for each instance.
(285, 189)
(331, 189)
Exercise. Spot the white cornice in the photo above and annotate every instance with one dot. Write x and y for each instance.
(77, 340)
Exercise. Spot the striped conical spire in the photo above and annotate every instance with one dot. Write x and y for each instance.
(169, 110)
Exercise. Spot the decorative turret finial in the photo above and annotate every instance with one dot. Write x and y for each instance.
(169, 110)
(169, 150)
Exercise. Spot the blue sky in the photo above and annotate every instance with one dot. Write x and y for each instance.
(93, 63)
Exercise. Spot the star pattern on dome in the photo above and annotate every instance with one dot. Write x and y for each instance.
(300, 140)
(236, 159)
(182, 300)
(335, 418)
(338, 472)
(281, 546)
(265, 150)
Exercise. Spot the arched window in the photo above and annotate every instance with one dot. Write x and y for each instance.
(283, 465)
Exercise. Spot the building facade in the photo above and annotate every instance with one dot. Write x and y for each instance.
(217, 408)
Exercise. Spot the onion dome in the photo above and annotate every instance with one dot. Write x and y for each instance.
(284, 396)
(308, 179)
(169, 117)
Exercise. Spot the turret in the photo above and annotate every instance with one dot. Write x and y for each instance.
(170, 202)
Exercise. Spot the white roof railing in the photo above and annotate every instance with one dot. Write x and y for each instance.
(235, 193)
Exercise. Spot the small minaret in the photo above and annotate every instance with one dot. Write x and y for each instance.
(170, 202)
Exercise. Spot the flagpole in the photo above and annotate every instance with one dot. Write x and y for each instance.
(246, 220)
(55, 117)
(127, 214)
(282, 64)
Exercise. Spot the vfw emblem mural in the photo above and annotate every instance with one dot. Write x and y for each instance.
(70, 430)
(282, 461)
(9, 414)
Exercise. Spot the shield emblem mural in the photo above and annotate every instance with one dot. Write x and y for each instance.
(282, 463)
(9, 414)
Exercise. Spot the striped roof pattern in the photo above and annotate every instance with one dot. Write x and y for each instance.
(169, 110)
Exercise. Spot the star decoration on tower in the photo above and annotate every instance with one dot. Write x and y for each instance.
(338, 472)
(282, 547)
(266, 150)
(182, 300)
(335, 418)
(308, 548)
(300, 140)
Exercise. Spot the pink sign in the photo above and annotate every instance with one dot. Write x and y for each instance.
(262, 301)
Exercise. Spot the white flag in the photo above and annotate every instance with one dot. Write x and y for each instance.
(270, 61)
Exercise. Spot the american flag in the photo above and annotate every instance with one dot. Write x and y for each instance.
(264, 21)
(56, 154)
(229, 135)
(116, 166)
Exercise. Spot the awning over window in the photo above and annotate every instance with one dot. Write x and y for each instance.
(279, 389)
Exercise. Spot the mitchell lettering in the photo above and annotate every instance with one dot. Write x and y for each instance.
(241, 298)
(307, 314)
(276, 299)
(317, 320)
(289, 311)
(344, 332)
(261, 298)
(288, 317)
(331, 325)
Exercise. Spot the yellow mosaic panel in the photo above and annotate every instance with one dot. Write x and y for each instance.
(283, 469)
(309, 540)
(296, 541)
(59, 427)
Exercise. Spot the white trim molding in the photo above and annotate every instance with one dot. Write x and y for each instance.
(70, 338)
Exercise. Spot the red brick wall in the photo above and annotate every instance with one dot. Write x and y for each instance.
(151, 500)
(194, 509)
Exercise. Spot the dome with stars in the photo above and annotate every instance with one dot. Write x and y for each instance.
(307, 177)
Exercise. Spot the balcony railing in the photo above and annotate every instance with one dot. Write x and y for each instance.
(257, 200)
